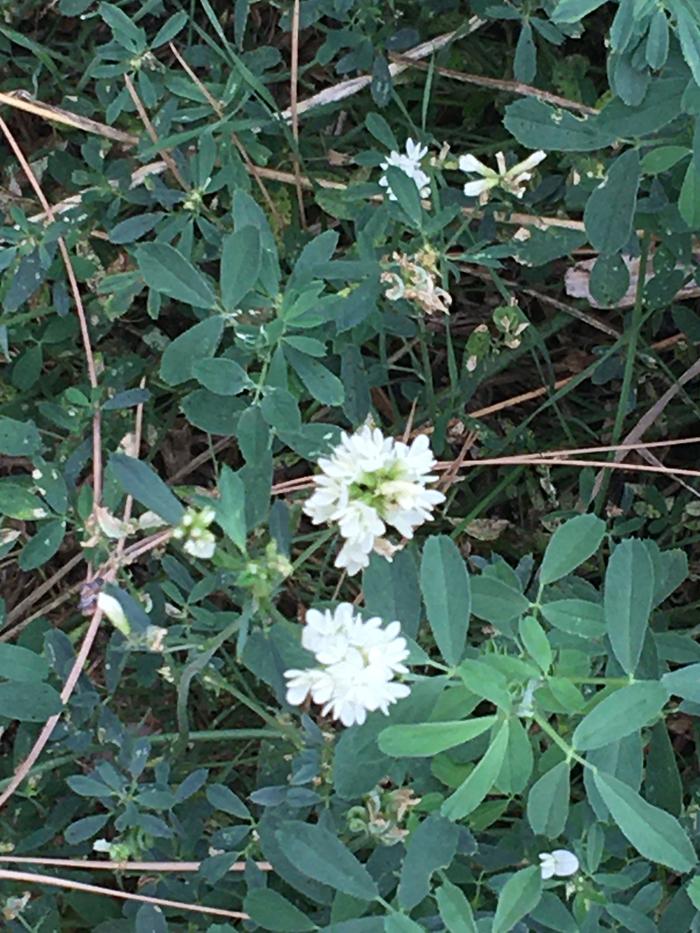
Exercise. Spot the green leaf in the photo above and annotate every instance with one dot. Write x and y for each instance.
(662, 158)
(196, 343)
(655, 834)
(271, 911)
(204, 410)
(535, 642)
(21, 664)
(134, 227)
(221, 376)
(689, 37)
(619, 714)
(223, 798)
(570, 545)
(34, 702)
(689, 201)
(318, 854)
(392, 590)
(479, 782)
(43, 545)
(548, 802)
(662, 782)
(609, 213)
(17, 502)
(406, 193)
(571, 11)
(425, 739)
(19, 438)
(82, 830)
(610, 279)
(320, 382)
(629, 591)
(537, 125)
(480, 678)
(380, 129)
(520, 894)
(693, 890)
(241, 259)
(657, 46)
(576, 616)
(496, 602)
(684, 682)
(445, 585)
(230, 509)
(455, 910)
(140, 481)
(395, 923)
(525, 61)
(518, 760)
(168, 272)
(432, 845)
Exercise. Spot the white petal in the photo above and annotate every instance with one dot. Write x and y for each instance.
(547, 865)
(473, 189)
(565, 863)
(470, 163)
(531, 162)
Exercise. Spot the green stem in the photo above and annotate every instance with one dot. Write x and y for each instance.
(558, 740)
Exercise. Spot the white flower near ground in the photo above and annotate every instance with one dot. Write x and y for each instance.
(368, 483)
(560, 863)
(358, 663)
(409, 163)
(112, 609)
(193, 531)
(512, 179)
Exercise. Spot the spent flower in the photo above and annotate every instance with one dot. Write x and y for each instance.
(368, 483)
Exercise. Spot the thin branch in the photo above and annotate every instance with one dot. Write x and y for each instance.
(151, 130)
(82, 318)
(31, 878)
(497, 84)
(21, 100)
(99, 865)
(294, 108)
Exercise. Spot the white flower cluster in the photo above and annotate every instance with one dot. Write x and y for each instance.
(357, 663)
(194, 531)
(371, 481)
(512, 179)
(409, 163)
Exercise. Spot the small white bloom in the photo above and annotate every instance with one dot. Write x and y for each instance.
(409, 163)
(559, 863)
(512, 179)
(39, 513)
(371, 481)
(112, 608)
(202, 545)
(359, 662)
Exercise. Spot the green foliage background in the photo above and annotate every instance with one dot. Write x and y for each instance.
(555, 680)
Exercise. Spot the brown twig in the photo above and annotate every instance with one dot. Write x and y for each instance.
(21, 100)
(498, 84)
(82, 318)
(151, 130)
(31, 878)
(100, 865)
(293, 106)
(215, 105)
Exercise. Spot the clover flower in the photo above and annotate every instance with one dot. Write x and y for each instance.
(559, 863)
(512, 179)
(358, 661)
(368, 483)
(194, 531)
(409, 163)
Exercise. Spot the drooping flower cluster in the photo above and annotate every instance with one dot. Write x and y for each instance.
(368, 483)
(194, 531)
(415, 281)
(410, 164)
(357, 663)
(512, 179)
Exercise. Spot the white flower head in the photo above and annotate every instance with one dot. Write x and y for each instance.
(194, 531)
(409, 163)
(368, 483)
(559, 863)
(512, 179)
(358, 661)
